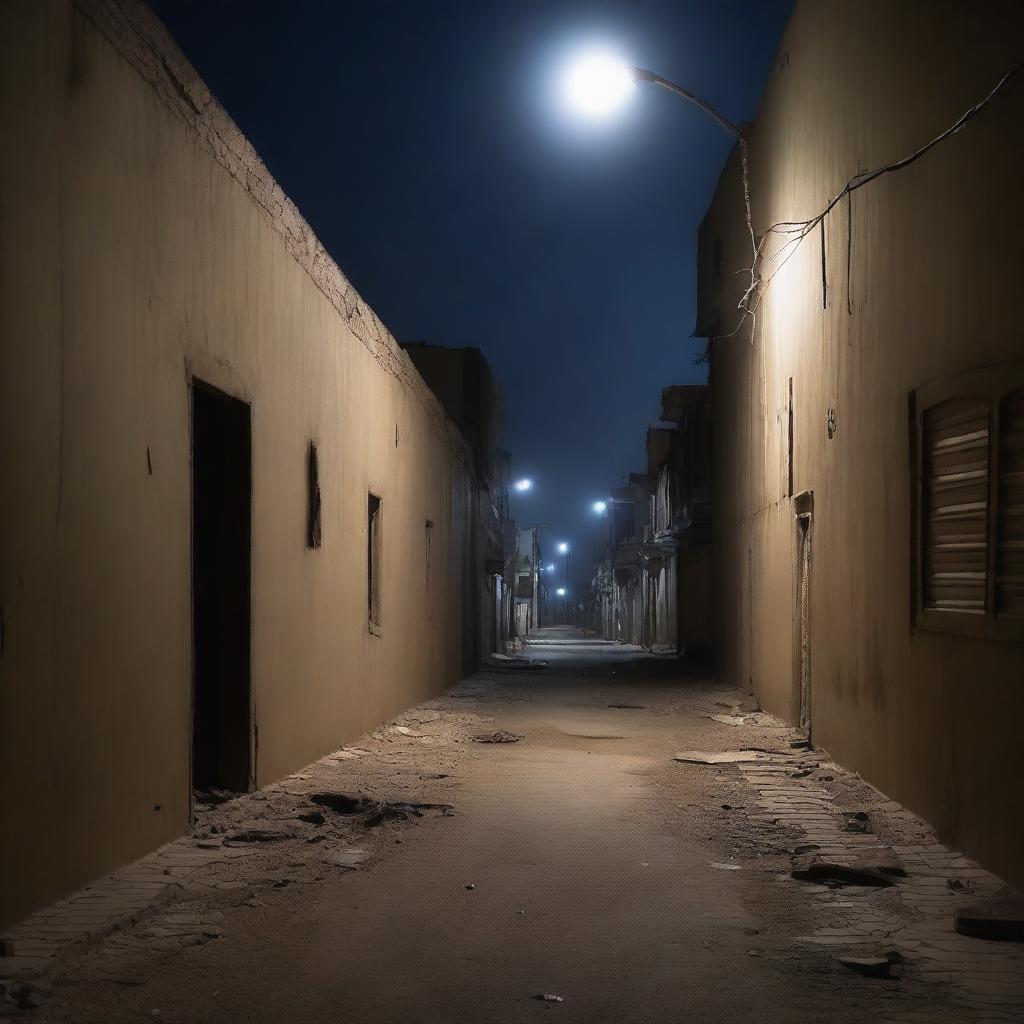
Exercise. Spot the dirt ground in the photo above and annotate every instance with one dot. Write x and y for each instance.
(581, 862)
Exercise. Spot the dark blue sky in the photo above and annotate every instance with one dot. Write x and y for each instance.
(428, 146)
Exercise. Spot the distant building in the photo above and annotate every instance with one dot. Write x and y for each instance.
(869, 422)
(462, 379)
(652, 584)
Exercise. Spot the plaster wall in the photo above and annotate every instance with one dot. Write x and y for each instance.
(143, 243)
(922, 270)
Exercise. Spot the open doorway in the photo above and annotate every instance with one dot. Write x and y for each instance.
(221, 533)
(804, 509)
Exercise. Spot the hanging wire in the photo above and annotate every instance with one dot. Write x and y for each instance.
(798, 230)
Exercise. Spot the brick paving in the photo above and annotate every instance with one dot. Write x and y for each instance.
(914, 917)
(119, 902)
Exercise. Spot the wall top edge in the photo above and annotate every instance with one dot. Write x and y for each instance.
(141, 39)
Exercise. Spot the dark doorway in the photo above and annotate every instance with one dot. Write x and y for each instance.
(221, 531)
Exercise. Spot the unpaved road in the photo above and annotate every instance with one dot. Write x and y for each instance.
(579, 862)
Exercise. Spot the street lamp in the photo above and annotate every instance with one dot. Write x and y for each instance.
(597, 84)
(523, 485)
(600, 507)
(563, 548)
(560, 591)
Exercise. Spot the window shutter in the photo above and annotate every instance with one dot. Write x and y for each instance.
(955, 499)
(1010, 525)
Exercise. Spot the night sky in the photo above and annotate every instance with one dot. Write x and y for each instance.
(430, 148)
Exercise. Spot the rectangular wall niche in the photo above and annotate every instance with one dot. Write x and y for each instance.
(373, 555)
(314, 537)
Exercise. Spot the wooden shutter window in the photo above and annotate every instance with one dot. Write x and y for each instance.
(1010, 524)
(955, 499)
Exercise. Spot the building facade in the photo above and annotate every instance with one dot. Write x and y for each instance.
(867, 419)
(652, 583)
(463, 380)
(236, 524)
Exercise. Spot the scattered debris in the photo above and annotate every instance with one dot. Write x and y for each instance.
(470, 885)
(1000, 919)
(507, 663)
(868, 966)
(963, 885)
(719, 757)
(548, 997)
(857, 821)
(629, 707)
(725, 867)
(213, 797)
(498, 736)
(827, 873)
(404, 730)
(376, 810)
(25, 996)
(243, 836)
(800, 744)
(802, 773)
(343, 803)
(350, 859)
(730, 719)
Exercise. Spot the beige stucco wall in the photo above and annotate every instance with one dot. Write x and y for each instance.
(142, 242)
(930, 290)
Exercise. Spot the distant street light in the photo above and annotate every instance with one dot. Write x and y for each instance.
(523, 485)
(551, 568)
(560, 591)
(563, 548)
(600, 506)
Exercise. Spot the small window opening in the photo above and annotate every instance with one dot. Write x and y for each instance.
(313, 523)
(373, 542)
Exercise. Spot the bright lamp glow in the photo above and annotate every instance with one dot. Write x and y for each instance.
(563, 547)
(523, 485)
(560, 591)
(551, 568)
(598, 84)
(600, 506)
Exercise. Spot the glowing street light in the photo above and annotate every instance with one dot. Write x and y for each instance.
(560, 591)
(600, 506)
(523, 485)
(599, 83)
(551, 568)
(563, 548)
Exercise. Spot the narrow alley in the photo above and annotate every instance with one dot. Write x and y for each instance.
(591, 865)
(511, 511)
